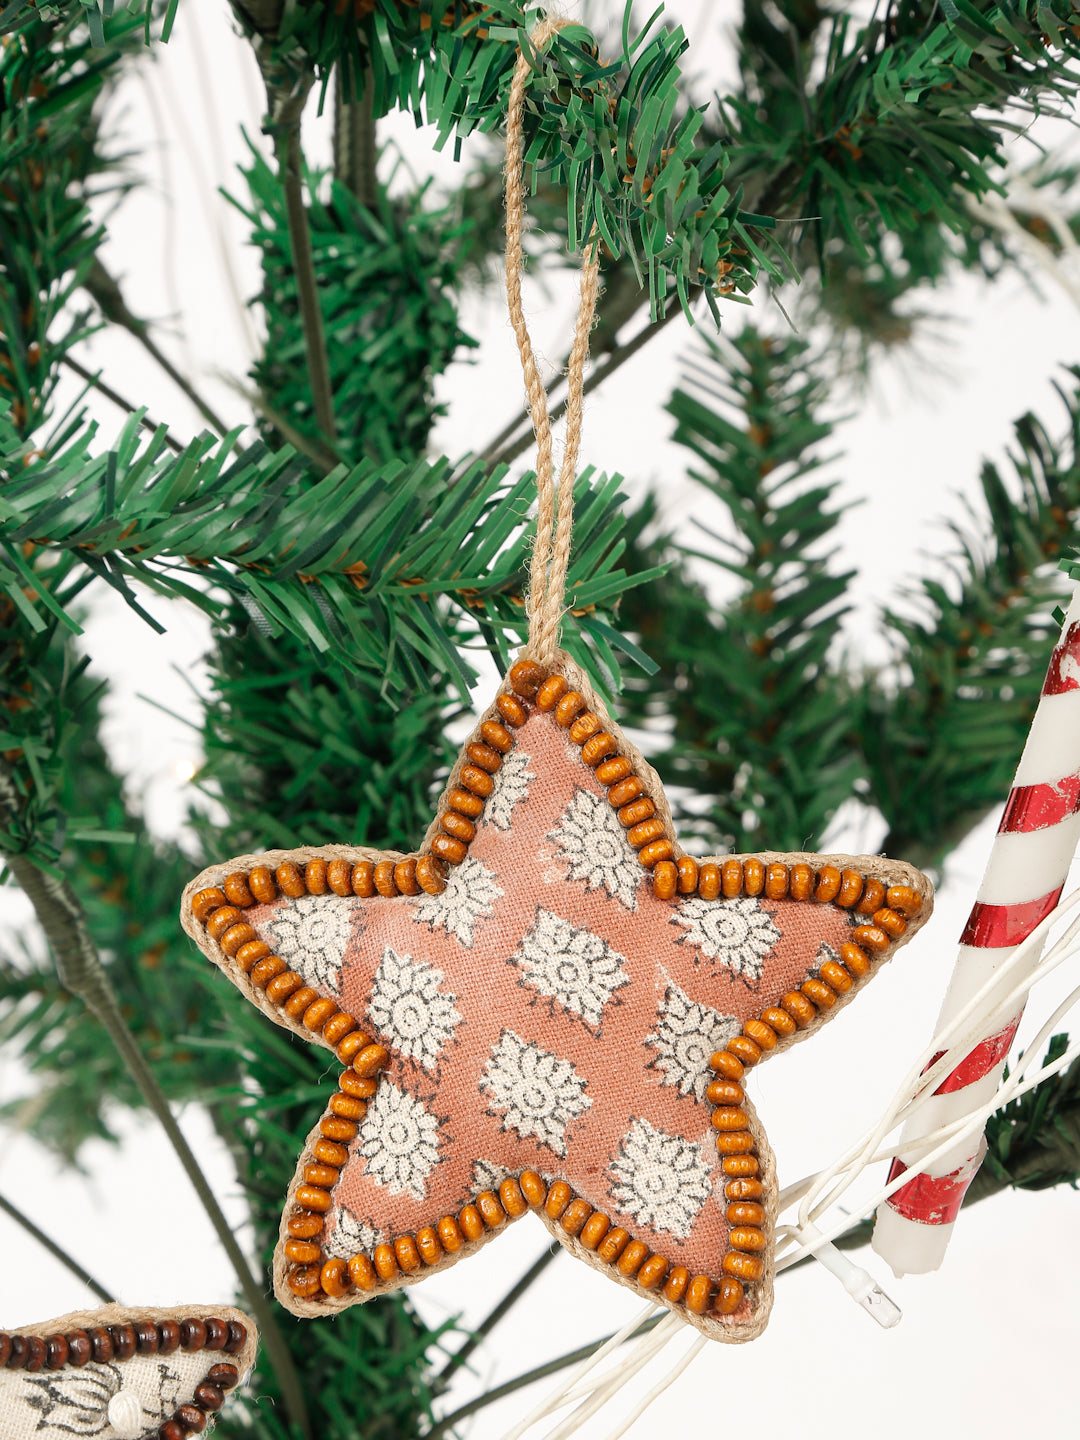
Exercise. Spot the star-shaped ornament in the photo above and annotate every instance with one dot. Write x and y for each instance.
(547, 1007)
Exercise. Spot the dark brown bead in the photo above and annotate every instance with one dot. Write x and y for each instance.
(80, 1351)
(191, 1417)
(851, 887)
(123, 1339)
(225, 1377)
(904, 899)
(169, 1331)
(192, 1333)
(655, 851)
(171, 1430)
(491, 1211)
(101, 1342)
(638, 810)
(888, 920)
(16, 1352)
(147, 1339)
(729, 1296)
(209, 1397)
(465, 804)
(56, 1352)
(217, 1332)
(779, 1020)
(872, 938)
(5, 1348)
(35, 1353)
(598, 748)
(448, 848)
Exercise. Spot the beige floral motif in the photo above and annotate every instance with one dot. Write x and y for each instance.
(511, 786)
(469, 896)
(661, 1180)
(596, 850)
(409, 1010)
(351, 1236)
(572, 966)
(686, 1035)
(537, 1093)
(738, 934)
(399, 1140)
(311, 935)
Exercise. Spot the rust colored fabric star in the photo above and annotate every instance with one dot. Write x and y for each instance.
(549, 1006)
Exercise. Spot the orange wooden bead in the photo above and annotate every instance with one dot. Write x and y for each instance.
(828, 884)
(289, 880)
(677, 1281)
(801, 883)
(871, 938)
(798, 1007)
(384, 879)
(610, 772)
(304, 1225)
(729, 1117)
(731, 878)
(431, 874)
(427, 1242)
(282, 986)
(745, 1049)
(740, 1165)
(348, 1049)
(612, 1245)
(904, 899)
(250, 953)
(405, 877)
(665, 879)
(348, 1107)
(237, 890)
(305, 1281)
(329, 1153)
(688, 875)
(637, 811)
(779, 1020)
(885, 919)
(647, 831)
(363, 879)
(583, 727)
(362, 1273)
(484, 756)
(361, 1086)
(819, 993)
(445, 847)
(266, 969)
(729, 1296)
(471, 1222)
(851, 887)
(532, 1187)
(408, 1256)
(450, 1237)
(594, 1230)
(299, 1001)
(326, 1175)
(753, 876)
(655, 851)
(735, 1142)
(262, 885)
(465, 803)
(302, 1252)
(747, 1237)
(457, 826)
(339, 877)
(526, 677)
(551, 692)
(371, 1060)
(335, 1278)
(574, 1216)
(497, 736)
(742, 1266)
(312, 1198)
(727, 1065)
(511, 710)
(761, 1034)
(632, 1258)
(598, 747)
(746, 1212)
(318, 1012)
(491, 1212)
(624, 791)
(223, 919)
(558, 1197)
(708, 885)
(777, 880)
(334, 1128)
(855, 959)
(476, 780)
(835, 976)
(315, 876)
(744, 1189)
(873, 897)
(724, 1092)
(385, 1261)
(652, 1272)
(569, 708)
(698, 1294)
(205, 902)
(513, 1202)
(337, 1027)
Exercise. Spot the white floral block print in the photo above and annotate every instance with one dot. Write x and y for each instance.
(538, 1093)
(594, 845)
(311, 935)
(575, 967)
(76, 1401)
(351, 1236)
(661, 1180)
(686, 1035)
(399, 1140)
(470, 893)
(409, 1010)
(487, 1176)
(511, 786)
(737, 933)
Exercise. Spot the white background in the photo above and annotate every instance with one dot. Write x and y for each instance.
(988, 1342)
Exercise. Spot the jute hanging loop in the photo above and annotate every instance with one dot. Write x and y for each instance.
(555, 516)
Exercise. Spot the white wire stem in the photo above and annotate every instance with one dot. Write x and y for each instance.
(609, 1384)
(658, 1389)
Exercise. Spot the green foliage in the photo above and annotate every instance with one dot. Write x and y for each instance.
(1034, 1142)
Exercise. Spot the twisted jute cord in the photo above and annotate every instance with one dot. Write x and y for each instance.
(554, 517)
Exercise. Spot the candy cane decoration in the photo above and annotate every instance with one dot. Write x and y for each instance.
(1024, 879)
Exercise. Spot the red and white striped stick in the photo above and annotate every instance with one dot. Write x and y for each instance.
(1024, 878)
